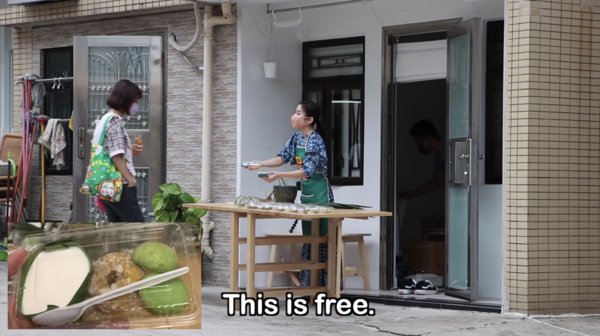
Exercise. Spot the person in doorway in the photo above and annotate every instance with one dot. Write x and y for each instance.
(428, 141)
(306, 150)
(122, 101)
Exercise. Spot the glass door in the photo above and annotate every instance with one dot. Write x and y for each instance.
(462, 140)
(99, 63)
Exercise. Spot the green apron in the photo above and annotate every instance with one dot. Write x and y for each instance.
(315, 189)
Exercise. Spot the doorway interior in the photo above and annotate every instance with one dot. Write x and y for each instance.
(416, 70)
(420, 96)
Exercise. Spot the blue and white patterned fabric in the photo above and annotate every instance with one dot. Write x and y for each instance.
(315, 160)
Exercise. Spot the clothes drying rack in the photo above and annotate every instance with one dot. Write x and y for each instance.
(43, 121)
(30, 124)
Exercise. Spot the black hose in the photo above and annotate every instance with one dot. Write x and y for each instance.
(294, 226)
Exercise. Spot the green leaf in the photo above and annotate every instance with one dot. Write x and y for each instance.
(162, 216)
(186, 198)
(198, 212)
(196, 199)
(190, 218)
(174, 216)
(157, 202)
(175, 200)
(171, 188)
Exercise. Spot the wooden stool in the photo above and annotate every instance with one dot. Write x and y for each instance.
(364, 266)
(293, 274)
(349, 271)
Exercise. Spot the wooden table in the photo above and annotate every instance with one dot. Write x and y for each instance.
(333, 264)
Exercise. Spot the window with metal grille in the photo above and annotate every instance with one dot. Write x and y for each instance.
(333, 76)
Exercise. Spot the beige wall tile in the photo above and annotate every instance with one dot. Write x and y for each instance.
(43, 14)
(555, 115)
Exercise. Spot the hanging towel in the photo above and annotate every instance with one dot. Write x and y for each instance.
(71, 121)
(54, 139)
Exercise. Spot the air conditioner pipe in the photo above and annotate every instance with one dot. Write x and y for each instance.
(209, 23)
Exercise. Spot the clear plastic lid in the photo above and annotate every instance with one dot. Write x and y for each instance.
(117, 254)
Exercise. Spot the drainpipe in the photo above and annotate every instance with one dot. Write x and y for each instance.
(209, 23)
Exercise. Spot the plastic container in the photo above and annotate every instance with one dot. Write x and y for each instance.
(122, 237)
(254, 165)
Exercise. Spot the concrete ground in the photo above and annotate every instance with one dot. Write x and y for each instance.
(388, 320)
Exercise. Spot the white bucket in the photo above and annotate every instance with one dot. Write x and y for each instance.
(270, 69)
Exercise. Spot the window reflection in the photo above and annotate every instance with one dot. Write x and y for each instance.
(346, 107)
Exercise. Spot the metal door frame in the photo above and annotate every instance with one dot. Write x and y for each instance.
(81, 45)
(389, 161)
(473, 27)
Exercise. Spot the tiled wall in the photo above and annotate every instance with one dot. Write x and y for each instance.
(552, 166)
(184, 115)
(41, 14)
(22, 64)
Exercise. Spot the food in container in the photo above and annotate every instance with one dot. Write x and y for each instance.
(155, 256)
(79, 264)
(311, 209)
(252, 165)
(304, 209)
(326, 209)
(167, 298)
(53, 275)
(263, 174)
(115, 270)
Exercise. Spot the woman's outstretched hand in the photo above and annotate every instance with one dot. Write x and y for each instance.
(273, 176)
(255, 165)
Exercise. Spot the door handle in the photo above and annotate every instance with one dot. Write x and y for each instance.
(80, 146)
(464, 156)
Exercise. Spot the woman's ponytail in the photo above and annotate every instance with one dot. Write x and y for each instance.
(312, 109)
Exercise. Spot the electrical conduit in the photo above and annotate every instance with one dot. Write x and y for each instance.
(209, 23)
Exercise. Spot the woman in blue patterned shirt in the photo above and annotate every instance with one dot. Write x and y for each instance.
(306, 149)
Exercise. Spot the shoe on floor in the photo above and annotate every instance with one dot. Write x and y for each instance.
(425, 287)
(406, 286)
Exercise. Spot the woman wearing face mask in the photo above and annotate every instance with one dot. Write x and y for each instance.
(122, 101)
(306, 150)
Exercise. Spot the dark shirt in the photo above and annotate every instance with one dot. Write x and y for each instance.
(439, 160)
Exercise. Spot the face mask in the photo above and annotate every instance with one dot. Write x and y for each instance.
(133, 109)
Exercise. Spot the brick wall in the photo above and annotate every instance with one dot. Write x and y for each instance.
(22, 64)
(184, 115)
(552, 165)
(82, 10)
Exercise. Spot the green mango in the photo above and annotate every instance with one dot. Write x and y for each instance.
(156, 257)
(167, 298)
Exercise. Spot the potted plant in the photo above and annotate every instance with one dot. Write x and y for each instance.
(168, 205)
